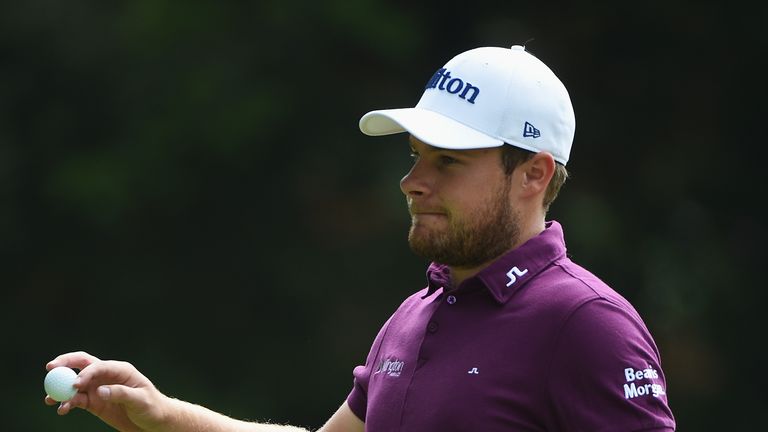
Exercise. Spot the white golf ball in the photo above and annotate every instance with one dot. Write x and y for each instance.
(58, 383)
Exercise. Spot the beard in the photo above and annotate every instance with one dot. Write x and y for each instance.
(472, 240)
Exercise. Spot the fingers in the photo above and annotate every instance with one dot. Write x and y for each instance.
(64, 408)
(85, 400)
(79, 400)
(110, 372)
(109, 389)
(115, 393)
(74, 360)
(134, 399)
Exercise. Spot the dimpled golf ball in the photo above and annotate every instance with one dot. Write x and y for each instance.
(58, 383)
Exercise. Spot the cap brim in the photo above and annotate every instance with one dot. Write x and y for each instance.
(428, 126)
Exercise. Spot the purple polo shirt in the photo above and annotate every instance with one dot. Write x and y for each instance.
(531, 343)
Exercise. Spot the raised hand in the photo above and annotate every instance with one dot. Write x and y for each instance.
(114, 391)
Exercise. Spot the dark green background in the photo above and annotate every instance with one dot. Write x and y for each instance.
(183, 186)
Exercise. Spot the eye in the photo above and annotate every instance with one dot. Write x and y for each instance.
(447, 160)
(414, 154)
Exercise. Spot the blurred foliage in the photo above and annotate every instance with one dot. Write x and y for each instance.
(183, 185)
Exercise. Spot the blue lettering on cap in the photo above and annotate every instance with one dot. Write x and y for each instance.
(442, 80)
(459, 85)
(530, 131)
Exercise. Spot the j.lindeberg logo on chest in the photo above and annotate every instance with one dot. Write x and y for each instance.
(390, 366)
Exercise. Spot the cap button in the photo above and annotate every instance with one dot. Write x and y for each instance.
(517, 48)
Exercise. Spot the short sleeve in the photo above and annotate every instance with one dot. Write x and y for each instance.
(358, 397)
(606, 373)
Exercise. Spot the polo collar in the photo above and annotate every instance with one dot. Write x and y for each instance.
(511, 271)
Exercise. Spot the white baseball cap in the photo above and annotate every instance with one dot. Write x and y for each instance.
(486, 97)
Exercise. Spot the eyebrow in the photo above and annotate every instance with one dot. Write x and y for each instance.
(412, 141)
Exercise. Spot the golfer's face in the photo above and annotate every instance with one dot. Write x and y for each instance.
(455, 197)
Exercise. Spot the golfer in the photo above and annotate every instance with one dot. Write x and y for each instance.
(509, 334)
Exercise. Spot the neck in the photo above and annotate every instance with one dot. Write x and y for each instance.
(460, 274)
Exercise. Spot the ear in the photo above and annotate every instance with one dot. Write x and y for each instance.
(537, 173)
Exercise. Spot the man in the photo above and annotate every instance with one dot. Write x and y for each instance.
(509, 334)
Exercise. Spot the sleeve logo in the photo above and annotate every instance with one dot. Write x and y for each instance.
(390, 367)
(635, 388)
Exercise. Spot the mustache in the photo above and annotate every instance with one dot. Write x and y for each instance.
(415, 208)
(422, 209)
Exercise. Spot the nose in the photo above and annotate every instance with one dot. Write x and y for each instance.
(414, 183)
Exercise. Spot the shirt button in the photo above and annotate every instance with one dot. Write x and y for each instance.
(451, 299)
(432, 326)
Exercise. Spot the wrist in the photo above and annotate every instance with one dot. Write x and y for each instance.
(170, 414)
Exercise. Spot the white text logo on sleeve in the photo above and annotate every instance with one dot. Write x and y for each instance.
(639, 382)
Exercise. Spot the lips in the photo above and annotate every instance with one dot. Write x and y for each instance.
(427, 215)
(417, 211)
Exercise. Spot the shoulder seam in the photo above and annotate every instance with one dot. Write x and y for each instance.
(590, 286)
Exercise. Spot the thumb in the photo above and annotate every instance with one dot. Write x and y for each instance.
(120, 394)
(131, 408)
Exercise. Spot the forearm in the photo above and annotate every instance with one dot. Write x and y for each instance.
(125, 399)
(187, 417)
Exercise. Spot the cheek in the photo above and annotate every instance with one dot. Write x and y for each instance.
(486, 200)
(472, 193)
(475, 199)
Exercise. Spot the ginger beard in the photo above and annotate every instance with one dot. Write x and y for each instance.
(472, 239)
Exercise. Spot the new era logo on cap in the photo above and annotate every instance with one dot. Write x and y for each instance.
(530, 131)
